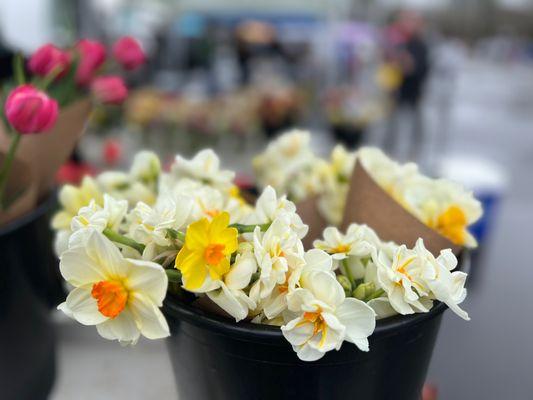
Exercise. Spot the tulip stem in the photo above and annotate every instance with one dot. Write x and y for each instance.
(18, 68)
(6, 166)
(118, 238)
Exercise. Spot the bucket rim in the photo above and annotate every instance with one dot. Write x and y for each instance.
(176, 309)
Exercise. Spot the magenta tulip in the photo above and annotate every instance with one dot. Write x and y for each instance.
(48, 59)
(129, 53)
(30, 110)
(92, 55)
(109, 89)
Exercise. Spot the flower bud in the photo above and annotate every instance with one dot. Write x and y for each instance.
(146, 167)
(48, 59)
(364, 290)
(128, 53)
(30, 110)
(91, 57)
(345, 283)
(109, 89)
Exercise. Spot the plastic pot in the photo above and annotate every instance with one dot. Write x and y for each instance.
(27, 339)
(214, 358)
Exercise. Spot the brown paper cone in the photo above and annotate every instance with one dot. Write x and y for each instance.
(20, 193)
(45, 153)
(369, 204)
(308, 211)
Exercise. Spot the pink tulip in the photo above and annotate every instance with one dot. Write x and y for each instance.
(92, 55)
(109, 89)
(30, 110)
(128, 53)
(48, 59)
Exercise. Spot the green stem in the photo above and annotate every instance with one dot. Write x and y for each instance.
(348, 272)
(375, 295)
(18, 68)
(118, 238)
(249, 228)
(174, 275)
(6, 166)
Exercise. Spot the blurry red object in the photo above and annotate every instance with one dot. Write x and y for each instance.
(112, 151)
(244, 181)
(73, 173)
(430, 392)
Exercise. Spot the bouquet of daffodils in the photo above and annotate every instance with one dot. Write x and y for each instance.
(291, 167)
(128, 240)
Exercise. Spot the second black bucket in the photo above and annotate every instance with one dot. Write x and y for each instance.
(216, 359)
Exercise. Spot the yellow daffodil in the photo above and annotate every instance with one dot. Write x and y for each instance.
(207, 250)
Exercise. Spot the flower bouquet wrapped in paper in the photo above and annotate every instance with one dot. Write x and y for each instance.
(250, 311)
(367, 187)
(51, 106)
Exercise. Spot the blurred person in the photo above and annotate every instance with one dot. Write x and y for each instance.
(411, 54)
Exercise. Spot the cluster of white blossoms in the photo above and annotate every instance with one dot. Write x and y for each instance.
(291, 167)
(123, 237)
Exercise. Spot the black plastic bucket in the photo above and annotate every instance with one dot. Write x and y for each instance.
(27, 339)
(216, 359)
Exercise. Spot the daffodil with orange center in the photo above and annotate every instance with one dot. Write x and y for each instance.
(120, 296)
(207, 251)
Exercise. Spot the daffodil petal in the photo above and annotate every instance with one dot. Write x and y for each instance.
(122, 328)
(83, 307)
(149, 318)
(78, 268)
(149, 278)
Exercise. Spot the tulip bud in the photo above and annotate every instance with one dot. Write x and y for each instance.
(91, 57)
(48, 59)
(345, 283)
(364, 290)
(30, 110)
(128, 53)
(109, 89)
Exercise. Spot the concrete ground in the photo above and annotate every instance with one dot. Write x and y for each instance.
(490, 357)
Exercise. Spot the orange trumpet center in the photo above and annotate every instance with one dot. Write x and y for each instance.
(214, 253)
(111, 297)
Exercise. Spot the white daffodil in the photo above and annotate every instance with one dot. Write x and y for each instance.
(150, 226)
(146, 168)
(445, 286)
(288, 164)
(99, 218)
(402, 278)
(314, 260)
(72, 198)
(326, 318)
(230, 295)
(268, 207)
(204, 167)
(121, 185)
(119, 296)
(359, 241)
(277, 251)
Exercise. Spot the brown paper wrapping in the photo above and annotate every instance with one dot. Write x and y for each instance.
(20, 193)
(369, 204)
(308, 211)
(45, 153)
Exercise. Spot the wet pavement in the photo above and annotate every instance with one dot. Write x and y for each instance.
(490, 357)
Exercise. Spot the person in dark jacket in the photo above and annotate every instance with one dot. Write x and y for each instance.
(412, 55)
